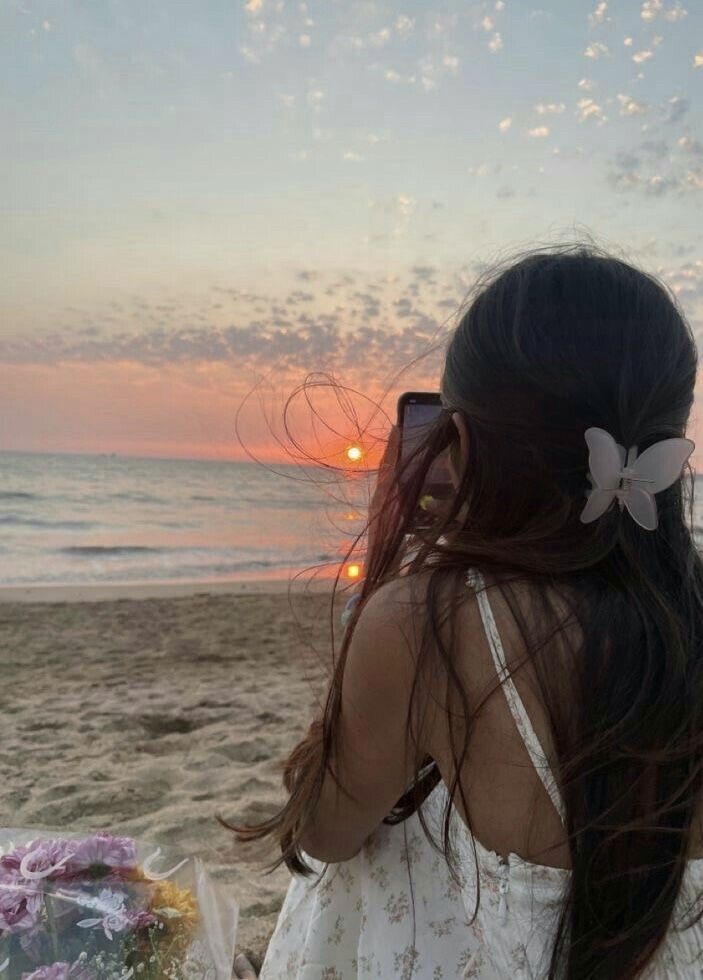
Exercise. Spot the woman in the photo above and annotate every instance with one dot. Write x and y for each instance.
(505, 781)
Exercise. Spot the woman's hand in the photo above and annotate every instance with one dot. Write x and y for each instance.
(243, 968)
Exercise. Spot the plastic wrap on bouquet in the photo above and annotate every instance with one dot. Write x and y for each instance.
(103, 907)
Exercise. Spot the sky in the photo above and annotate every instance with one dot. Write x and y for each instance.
(204, 203)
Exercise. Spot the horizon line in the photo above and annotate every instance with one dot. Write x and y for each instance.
(184, 459)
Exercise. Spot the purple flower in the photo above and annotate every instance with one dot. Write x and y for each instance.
(103, 850)
(61, 971)
(57, 971)
(141, 919)
(20, 904)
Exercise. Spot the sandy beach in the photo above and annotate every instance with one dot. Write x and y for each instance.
(146, 710)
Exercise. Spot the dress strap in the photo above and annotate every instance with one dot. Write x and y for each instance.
(515, 703)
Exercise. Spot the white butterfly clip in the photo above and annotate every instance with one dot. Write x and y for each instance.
(642, 476)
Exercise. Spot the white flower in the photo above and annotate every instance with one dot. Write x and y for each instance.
(115, 917)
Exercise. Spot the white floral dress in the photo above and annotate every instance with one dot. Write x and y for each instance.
(394, 911)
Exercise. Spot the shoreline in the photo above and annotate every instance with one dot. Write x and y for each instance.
(115, 591)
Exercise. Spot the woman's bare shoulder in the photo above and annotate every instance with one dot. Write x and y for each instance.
(412, 592)
(429, 606)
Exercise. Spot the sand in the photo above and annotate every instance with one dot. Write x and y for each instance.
(146, 716)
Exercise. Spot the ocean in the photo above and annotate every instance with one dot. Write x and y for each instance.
(79, 519)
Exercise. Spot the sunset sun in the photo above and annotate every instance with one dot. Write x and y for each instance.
(354, 453)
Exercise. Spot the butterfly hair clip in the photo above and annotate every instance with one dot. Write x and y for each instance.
(617, 473)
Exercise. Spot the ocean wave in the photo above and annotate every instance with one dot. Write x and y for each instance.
(20, 521)
(100, 549)
(18, 495)
(137, 496)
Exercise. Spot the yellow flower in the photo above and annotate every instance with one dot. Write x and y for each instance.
(177, 908)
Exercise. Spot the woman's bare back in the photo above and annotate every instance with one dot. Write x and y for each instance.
(509, 807)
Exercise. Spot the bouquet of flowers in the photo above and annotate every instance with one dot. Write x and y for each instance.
(94, 907)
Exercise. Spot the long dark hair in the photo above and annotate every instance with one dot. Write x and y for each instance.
(554, 341)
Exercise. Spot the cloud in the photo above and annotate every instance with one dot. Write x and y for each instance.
(265, 36)
(444, 24)
(304, 40)
(640, 172)
(629, 107)
(317, 342)
(676, 107)
(406, 205)
(496, 43)
(589, 109)
(380, 38)
(487, 23)
(641, 56)
(367, 328)
(628, 42)
(694, 179)
(505, 124)
(651, 9)
(677, 12)
(249, 55)
(539, 131)
(691, 146)
(586, 84)
(596, 50)
(550, 108)
(598, 15)
(698, 60)
(404, 25)
(687, 280)
(401, 206)
(431, 71)
(299, 296)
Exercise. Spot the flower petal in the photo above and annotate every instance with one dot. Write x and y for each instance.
(88, 923)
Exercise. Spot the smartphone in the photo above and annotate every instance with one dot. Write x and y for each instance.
(417, 410)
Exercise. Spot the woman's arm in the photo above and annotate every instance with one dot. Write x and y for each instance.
(374, 759)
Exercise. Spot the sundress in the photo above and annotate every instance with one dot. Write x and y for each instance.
(394, 911)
